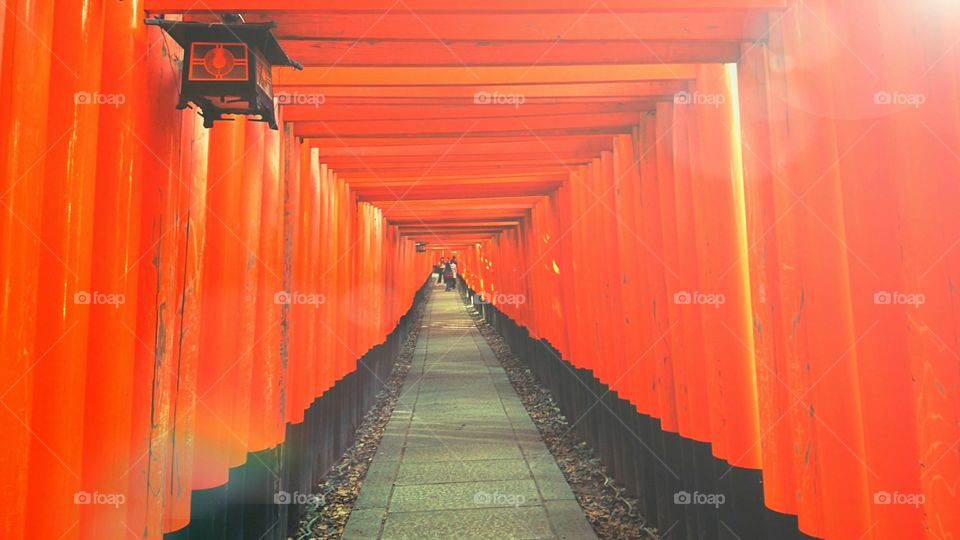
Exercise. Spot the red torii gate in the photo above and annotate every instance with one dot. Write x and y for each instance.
(817, 182)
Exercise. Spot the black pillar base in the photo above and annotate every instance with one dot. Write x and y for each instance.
(662, 469)
(260, 498)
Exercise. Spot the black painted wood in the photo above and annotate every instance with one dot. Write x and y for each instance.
(253, 503)
(662, 469)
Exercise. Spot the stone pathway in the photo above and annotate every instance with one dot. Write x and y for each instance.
(460, 457)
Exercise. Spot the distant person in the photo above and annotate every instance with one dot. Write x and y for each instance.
(451, 274)
(439, 267)
(447, 274)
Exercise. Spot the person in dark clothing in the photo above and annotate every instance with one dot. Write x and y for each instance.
(450, 274)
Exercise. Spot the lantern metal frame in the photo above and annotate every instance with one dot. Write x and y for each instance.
(218, 96)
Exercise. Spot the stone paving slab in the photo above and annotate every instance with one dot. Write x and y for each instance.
(529, 522)
(469, 471)
(460, 457)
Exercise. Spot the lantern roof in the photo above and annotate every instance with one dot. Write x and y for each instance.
(256, 35)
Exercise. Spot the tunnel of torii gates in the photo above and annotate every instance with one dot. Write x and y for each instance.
(739, 217)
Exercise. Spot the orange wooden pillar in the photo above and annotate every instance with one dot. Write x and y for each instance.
(353, 293)
(365, 288)
(669, 227)
(179, 369)
(372, 272)
(603, 361)
(816, 289)
(903, 104)
(658, 349)
(360, 256)
(565, 266)
(527, 282)
(112, 335)
(763, 250)
(381, 328)
(874, 239)
(345, 270)
(266, 418)
(24, 91)
(328, 258)
(332, 321)
(540, 284)
(721, 230)
(611, 297)
(223, 281)
(64, 299)
(631, 271)
(247, 233)
(310, 250)
(158, 288)
(696, 391)
(700, 296)
(583, 257)
(792, 296)
(299, 331)
(923, 141)
(552, 254)
(291, 236)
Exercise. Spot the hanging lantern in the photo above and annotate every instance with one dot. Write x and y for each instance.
(421, 247)
(227, 67)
